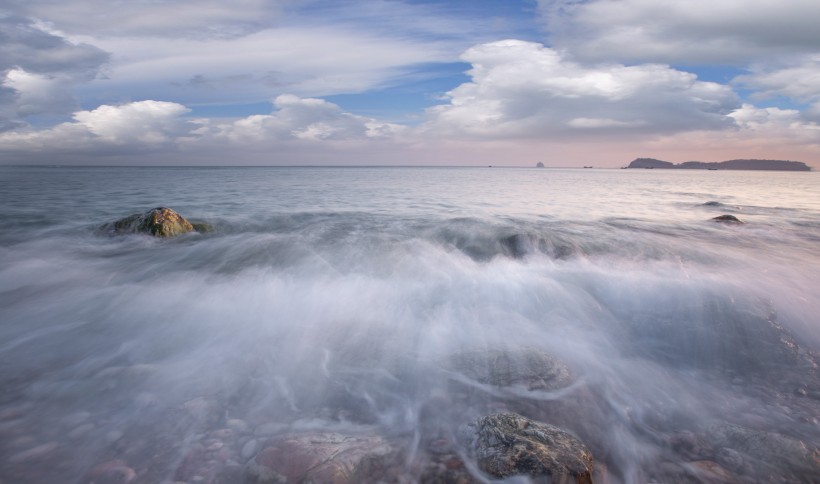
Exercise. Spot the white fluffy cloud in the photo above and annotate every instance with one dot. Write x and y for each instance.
(134, 127)
(152, 126)
(305, 119)
(692, 32)
(523, 89)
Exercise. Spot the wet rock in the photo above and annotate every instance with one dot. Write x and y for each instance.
(211, 463)
(202, 410)
(111, 472)
(708, 471)
(76, 418)
(768, 454)
(159, 222)
(508, 444)
(11, 413)
(203, 227)
(225, 434)
(80, 431)
(729, 219)
(249, 449)
(239, 426)
(530, 368)
(268, 429)
(34, 453)
(320, 457)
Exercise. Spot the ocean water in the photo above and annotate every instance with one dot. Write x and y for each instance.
(338, 299)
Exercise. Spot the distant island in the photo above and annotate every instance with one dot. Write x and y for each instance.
(722, 165)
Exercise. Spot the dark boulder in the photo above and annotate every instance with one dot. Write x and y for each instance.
(158, 222)
(507, 444)
(730, 219)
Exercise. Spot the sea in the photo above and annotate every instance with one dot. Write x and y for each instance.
(340, 304)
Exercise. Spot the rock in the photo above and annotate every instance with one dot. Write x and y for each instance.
(268, 429)
(249, 449)
(111, 472)
(531, 368)
(771, 455)
(35, 453)
(203, 227)
(729, 219)
(239, 426)
(159, 222)
(80, 431)
(710, 472)
(507, 444)
(319, 457)
(76, 418)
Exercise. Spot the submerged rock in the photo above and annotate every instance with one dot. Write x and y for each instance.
(531, 368)
(769, 455)
(320, 457)
(507, 444)
(729, 219)
(159, 222)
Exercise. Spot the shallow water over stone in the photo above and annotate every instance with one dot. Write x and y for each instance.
(377, 312)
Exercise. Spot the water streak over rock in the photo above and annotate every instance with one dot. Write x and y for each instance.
(507, 444)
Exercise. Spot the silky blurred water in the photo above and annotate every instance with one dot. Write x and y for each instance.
(362, 282)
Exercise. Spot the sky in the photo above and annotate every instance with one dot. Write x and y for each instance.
(408, 82)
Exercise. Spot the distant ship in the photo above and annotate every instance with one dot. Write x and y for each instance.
(539, 165)
(588, 167)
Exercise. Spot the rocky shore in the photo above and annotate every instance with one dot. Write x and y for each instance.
(483, 415)
(346, 407)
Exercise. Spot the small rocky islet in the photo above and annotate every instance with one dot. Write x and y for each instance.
(161, 222)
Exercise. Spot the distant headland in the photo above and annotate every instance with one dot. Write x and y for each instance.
(722, 165)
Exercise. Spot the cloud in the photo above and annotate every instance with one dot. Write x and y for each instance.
(141, 127)
(799, 81)
(38, 70)
(307, 61)
(523, 89)
(306, 119)
(136, 127)
(253, 50)
(691, 32)
(26, 45)
(166, 18)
